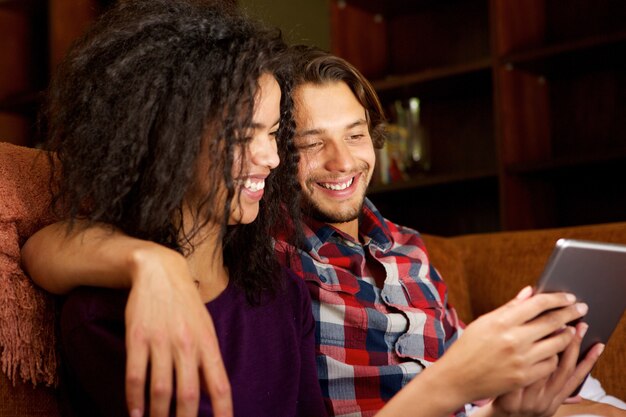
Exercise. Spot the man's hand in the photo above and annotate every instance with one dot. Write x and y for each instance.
(544, 397)
(504, 351)
(593, 408)
(511, 347)
(169, 328)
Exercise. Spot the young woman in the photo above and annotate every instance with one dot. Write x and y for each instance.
(166, 123)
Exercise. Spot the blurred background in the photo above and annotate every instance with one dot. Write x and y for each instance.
(503, 114)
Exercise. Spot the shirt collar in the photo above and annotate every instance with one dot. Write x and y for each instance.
(373, 229)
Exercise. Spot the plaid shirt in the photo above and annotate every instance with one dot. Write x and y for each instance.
(372, 341)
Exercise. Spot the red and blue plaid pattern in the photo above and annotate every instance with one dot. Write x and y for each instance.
(372, 341)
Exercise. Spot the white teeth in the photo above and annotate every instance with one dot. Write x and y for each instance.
(254, 185)
(337, 186)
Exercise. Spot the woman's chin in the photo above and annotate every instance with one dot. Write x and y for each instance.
(245, 216)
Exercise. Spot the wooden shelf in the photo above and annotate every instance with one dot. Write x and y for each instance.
(392, 8)
(28, 6)
(393, 82)
(567, 162)
(27, 103)
(575, 56)
(429, 180)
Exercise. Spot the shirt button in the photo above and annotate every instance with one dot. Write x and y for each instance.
(323, 278)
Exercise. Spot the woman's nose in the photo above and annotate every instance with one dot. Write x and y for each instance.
(265, 152)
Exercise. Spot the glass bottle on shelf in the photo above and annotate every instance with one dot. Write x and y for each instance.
(418, 141)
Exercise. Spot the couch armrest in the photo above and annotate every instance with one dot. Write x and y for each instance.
(24, 400)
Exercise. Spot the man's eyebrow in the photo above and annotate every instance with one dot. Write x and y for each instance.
(317, 131)
(359, 122)
(311, 132)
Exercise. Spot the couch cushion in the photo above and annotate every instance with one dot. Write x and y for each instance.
(23, 400)
(447, 258)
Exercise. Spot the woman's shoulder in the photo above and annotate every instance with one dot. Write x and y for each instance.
(296, 291)
(294, 283)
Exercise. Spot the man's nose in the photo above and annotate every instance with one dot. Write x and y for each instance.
(339, 157)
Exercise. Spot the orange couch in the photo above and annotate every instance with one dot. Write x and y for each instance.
(483, 271)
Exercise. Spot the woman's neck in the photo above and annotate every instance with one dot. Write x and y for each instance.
(206, 264)
(206, 261)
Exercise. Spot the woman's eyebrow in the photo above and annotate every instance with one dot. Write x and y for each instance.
(259, 125)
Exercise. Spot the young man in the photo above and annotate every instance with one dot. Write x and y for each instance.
(381, 309)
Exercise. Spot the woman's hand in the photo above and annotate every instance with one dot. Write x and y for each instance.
(167, 325)
(169, 328)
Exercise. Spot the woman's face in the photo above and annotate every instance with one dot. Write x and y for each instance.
(253, 163)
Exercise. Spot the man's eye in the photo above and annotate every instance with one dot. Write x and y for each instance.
(310, 145)
(357, 136)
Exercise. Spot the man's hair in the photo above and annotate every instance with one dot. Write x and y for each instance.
(141, 96)
(315, 66)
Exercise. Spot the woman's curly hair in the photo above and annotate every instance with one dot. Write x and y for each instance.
(152, 84)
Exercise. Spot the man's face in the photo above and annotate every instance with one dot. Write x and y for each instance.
(336, 152)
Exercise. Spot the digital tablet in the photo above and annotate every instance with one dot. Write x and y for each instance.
(596, 273)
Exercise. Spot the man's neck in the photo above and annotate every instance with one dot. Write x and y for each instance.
(350, 228)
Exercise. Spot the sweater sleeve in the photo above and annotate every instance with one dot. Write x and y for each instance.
(93, 351)
(310, 400)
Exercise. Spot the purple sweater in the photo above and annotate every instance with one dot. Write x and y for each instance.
(268, 351)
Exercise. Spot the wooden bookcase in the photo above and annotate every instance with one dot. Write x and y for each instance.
(524, 102)
(23, 71)
(34, 37)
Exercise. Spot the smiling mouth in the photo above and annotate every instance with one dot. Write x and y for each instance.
(254, 185)
(336, 186)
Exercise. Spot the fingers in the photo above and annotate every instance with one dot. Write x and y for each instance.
(136, 368)
(543, 368)
(567, 362)
(161, 367)
(524, 294)
(583, 369)
(215, 377)
(518, 311)
(553, 321)
(551, 346)
(187, 386)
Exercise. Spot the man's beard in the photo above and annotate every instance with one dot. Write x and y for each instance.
(312, 209)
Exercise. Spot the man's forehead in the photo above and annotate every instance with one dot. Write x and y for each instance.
(329, 103)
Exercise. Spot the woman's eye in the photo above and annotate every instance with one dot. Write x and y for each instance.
(357, 136)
